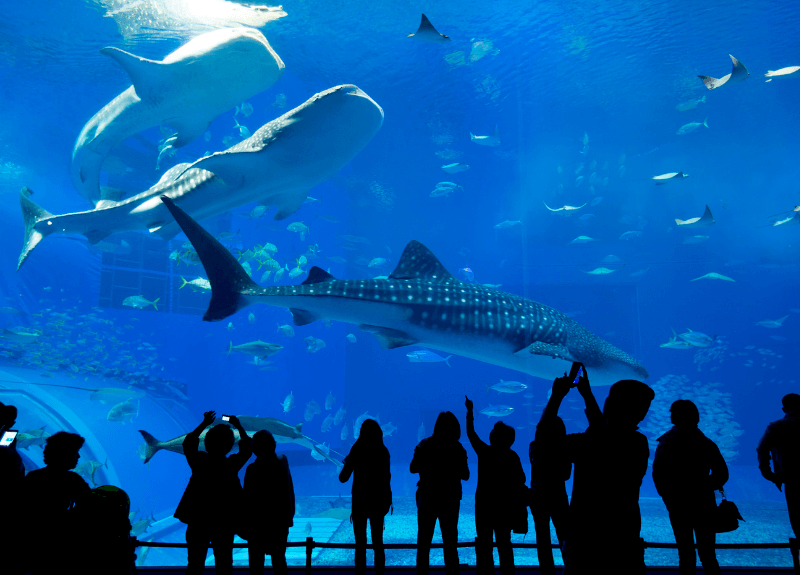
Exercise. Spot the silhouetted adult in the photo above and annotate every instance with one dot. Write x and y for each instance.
(500, 495)
(53, 496)
(687, 469)
(269, 505)
(441, 462)
(212, 500)
(550, 469)
(610, 460)
(12, 474)
(368, 463)
(781, 444)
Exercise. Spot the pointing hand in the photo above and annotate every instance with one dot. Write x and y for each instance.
(468, 403)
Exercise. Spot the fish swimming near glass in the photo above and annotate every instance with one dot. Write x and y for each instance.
(276, 166)
(421, 303)
(186, 90)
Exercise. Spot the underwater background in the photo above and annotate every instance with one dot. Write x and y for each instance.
(586, 100)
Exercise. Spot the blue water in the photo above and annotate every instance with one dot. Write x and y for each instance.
(550, 77)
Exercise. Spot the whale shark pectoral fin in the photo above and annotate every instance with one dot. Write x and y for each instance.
(302, 316)
(389, 338)
(145, 74)
(188, 128)
(289, 204)
(554, 350)
(95, 236)
(418, 262)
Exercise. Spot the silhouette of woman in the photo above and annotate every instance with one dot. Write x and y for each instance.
(368, 463)
(441, 462)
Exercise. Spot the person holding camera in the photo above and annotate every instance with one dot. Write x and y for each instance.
(12, 474)
(211, 503)
(500, 498)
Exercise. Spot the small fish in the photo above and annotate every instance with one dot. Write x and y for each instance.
(376, 262)
(123, 411)
(714, 276)
(596, 201)
(329, 401)
(425, 356)
(308, 528)
(691, 127)
(455, 168)
(388, 429)
(351, 338)
(207, 136)
(467, 274)
(698, 339)
(507, 224)
(690, 104)
(497, 410)
(343, 435)
(288, 403)
(508, 387)
(578, 181)
(139, 302)
(632, 235)
(251, 318)
(246, 108)
(772, 323)
(228, 141)
(286, 330)
(340, 415)
(244, 132)
(327, 424)
(230, 326)
(280, 101)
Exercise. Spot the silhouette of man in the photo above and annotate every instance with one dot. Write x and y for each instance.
(441, 462)
(687, 469)
(212, 500)
(12, 474)
(269, 505)
(781, 445)
(610, 460)
(550, 469)
(53, 497)
(500, 495)
(368, 462)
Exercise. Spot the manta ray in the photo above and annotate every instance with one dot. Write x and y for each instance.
(564, 210)
(186, 90)
(420, 303)
(703, 221)
(276, 166)
(427, 33)
(738, 74)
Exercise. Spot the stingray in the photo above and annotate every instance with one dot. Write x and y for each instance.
(738, 74)
(714, 276)
(665, 178)
(186, 91)
(491, 140)
(564, 210)
(276, 166)
(705, 220)
(427, 33)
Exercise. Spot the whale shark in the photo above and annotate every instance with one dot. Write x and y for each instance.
(276, 166)
(186, 90)
(420, 303)
(738, 74)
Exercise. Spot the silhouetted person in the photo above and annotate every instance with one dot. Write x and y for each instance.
(106, 529)
(269, 505)
(610, 460)
(550, 469)
(53, 496)
(210, 505)
(368, 462)
(687, 469)
(781, 444)
(441, 462)
(500, 495)
(12, 474)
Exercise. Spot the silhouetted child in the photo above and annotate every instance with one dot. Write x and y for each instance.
(269, 504)
(781, 444)
(211, 504)
(53, 498)
(500, 498)
(550, 469)
(368, 462)
(441, 462)
(687, 469)
(610, 460)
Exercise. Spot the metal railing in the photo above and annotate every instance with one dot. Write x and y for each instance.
(310, 545)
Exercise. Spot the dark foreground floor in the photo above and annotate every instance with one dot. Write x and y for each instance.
(469, 570)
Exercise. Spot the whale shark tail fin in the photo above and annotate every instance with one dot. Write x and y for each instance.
(227, 277)
(32, 213)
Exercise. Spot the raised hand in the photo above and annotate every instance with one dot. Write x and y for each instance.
(468, 403)
(209, 417)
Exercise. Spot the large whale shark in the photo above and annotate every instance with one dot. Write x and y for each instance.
(276, 166)
(186, 90)
(420, 303)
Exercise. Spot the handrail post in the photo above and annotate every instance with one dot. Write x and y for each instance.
(309, 551)
(795, 552)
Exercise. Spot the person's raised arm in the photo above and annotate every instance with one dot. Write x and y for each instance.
(192, 440)
(593, 413)
(245, 443)
(561, 387)
(477, 443)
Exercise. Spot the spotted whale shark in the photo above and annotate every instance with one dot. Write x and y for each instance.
(420, 303)
(186, 90)
(276, 166)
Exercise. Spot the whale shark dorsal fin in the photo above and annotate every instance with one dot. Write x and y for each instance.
(418, 263)
(145, 74)
(318, 275)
